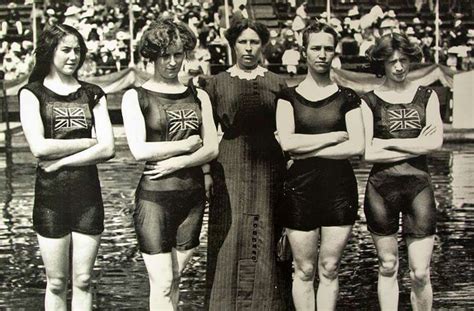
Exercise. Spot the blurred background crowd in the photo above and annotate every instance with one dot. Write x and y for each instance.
(112, 29)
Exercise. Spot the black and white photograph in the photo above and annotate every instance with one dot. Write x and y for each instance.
(236, 155)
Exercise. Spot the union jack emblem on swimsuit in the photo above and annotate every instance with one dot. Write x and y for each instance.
(69, 118)
(180, 120)
(403, 119)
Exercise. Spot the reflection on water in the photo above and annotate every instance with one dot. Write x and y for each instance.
(120, 276)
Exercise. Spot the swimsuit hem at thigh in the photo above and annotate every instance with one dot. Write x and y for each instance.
(87, 233)
(418, 235)
(165, 251)
(381, 234)
(51, 236)
(187, 246)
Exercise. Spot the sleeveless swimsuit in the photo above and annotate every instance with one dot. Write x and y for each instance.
(319, 191)
(69, 199)
(169, 210)
(402, 186)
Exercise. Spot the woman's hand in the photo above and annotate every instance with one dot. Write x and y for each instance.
(208, 185)
(194, 142)
(50, 166)
(340, 136)
(428, 130)
(380, 143)
(163, 168)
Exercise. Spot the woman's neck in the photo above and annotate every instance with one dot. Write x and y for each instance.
(158, 80)
(164, 85)
(318, 79)
(396, 86)
(60, 79)
(246, 68)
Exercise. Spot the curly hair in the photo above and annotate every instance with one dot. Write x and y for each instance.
(237, 28)
(385, 47)
(316, 27)
(163, 33)
(48, 41)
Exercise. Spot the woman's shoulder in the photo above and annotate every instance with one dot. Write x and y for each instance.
(34, 87)
(286, 93)
(369, 98)
(90, 87)
(347, 91)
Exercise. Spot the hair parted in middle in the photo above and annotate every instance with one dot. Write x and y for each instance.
(316, 27)
(163, 33)
(385, 47)
(237, 28)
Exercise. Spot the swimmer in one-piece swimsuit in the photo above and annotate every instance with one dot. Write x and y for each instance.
(402, 186)
(169, 210)
(69, 199)
(319, 191)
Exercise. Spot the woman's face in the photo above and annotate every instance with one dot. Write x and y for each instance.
(247, 49)
(169, 64)
(397, 67)
(320, 52)
(67, 55)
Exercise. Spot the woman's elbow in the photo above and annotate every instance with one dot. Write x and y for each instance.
(358, 149)
(213, 152)
(286, 145)
(368, 156)
(38, 150)
(434, 144)
(107, 151)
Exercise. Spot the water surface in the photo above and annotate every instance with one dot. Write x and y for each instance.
(120, 276)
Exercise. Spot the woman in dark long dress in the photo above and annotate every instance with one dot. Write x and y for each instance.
(171, 127)
(402, 125)
(242, 269)
(320, 125)
(67, 126)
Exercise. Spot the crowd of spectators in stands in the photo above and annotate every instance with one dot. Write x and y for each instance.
(358, 33)
(108, 36)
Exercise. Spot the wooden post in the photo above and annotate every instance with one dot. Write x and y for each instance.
(437, 36)
(130, 25)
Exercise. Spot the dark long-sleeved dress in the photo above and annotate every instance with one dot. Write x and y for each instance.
(242, 269)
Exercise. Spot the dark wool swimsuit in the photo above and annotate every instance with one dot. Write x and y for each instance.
(319, 191)
(69, 199)
(402, 186)
(169, 210)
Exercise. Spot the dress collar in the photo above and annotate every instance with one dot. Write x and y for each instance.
(235, 71)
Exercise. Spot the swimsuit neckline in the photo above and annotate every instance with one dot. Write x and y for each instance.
(170, 95)
(71, 95)
(409, 103)
(319, 102)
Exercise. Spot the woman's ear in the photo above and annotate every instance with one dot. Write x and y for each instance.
(303, 54)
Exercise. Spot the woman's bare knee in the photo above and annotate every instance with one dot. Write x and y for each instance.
(305, 271)
(420, 276)
(328, 269)
(388, 265)
(57, 285)
(82, 281)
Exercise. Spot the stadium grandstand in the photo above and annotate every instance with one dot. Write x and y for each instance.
(112, 29)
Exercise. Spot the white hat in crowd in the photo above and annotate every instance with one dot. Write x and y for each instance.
(410, 31)
(353, 12)
(72, 10)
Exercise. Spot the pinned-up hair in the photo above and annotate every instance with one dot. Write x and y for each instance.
(316, 27)
(163, 33)
(236, 29)
(385, 47)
